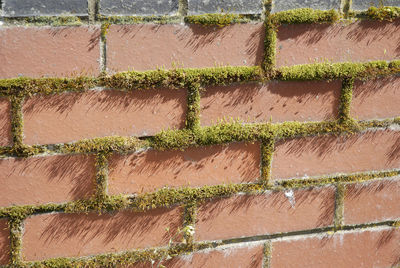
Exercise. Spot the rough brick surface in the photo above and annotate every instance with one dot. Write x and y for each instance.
(372, 201)
(73, 235)
(209, 165)
(230, 6)
(279, 101)
(363, 4)
(376, 99)
(282, 5)
(359, 41)
(144, 47)
(369, 248)
(4, 242)
(139, 8)
(47, 51)
(329, 154)
(25, 8)
(58, 118)
(268, 213)
(49, 179)
(5, 122)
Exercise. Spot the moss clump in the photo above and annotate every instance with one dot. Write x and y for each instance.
(270, 46)
(305, 15)
(193, 106)
(345, 99)
(54, 21)
(382, 13)
(267, 150)
(17, 125)
(220, 20)
(101, 181)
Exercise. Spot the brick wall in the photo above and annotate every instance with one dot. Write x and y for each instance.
(169, 134)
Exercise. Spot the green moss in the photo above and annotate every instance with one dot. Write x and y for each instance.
(267, 150)
(101, 181)
(54, 21)
(305, 15)
(382, 13)
(345, 99)
(193, 107)
(220, 20)
(17, 125)
(189, 222)
(15, 224)
(269, 46)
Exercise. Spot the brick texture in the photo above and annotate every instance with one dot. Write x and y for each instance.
(372, 201)
(211, 165)
(144, 47)
(140, 8)
(73, 235)
(5, 122)
(4, 242)
(23, 8)
(58, 118)
(48, 51)
(232, 6)
(47, 179)
(359, 41)
(312, 156)
(282, 5)
(376, 99)
(369, 248)
(279, 101)
(268, 213)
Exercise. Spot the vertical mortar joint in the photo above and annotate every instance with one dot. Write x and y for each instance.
(267, 254)
(339, 206)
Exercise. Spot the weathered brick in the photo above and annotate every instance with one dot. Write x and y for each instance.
(372, 201)
(48, 51)
(359, 41)
(72, 235)
(24, 8)
(376, 99)
(5, 122)
(366, 248)
(231, 6)
(282, 5)
(329, 154)
(4, 242)
(364, 5)
(247, 255)
(279, 101)
(146, 46)
(208, 165)
(139, 7)
(47, 179)
(267, 213)
(58, 118)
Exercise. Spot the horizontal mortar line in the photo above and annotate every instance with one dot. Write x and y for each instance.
(144, 142)
(353, 178)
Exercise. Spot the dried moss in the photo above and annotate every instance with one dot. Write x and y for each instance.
(54, 21)
(305, 15)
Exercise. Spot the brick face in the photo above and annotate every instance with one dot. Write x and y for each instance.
(211, 165)
(73, 235)
(328, 154)
(360, 41)
(370, 248)
(279, 101)
(376, 99)
(372, 201)
(48, 179)
(4, 242)
(265, 214)
(49, 51)
(145, 47)
(5, 122)
(58, 118)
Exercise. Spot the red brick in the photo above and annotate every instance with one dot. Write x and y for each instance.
(359, 41)
(72, 235)
(209, 165)
(279, 101)
(5, 122)
(148, 46)
(376, 99)
(329, 154)
(372, 201)
(74, 116)
(47, 51)
(49, 179)
(268, 213)
(4, 242)
(367, 248)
